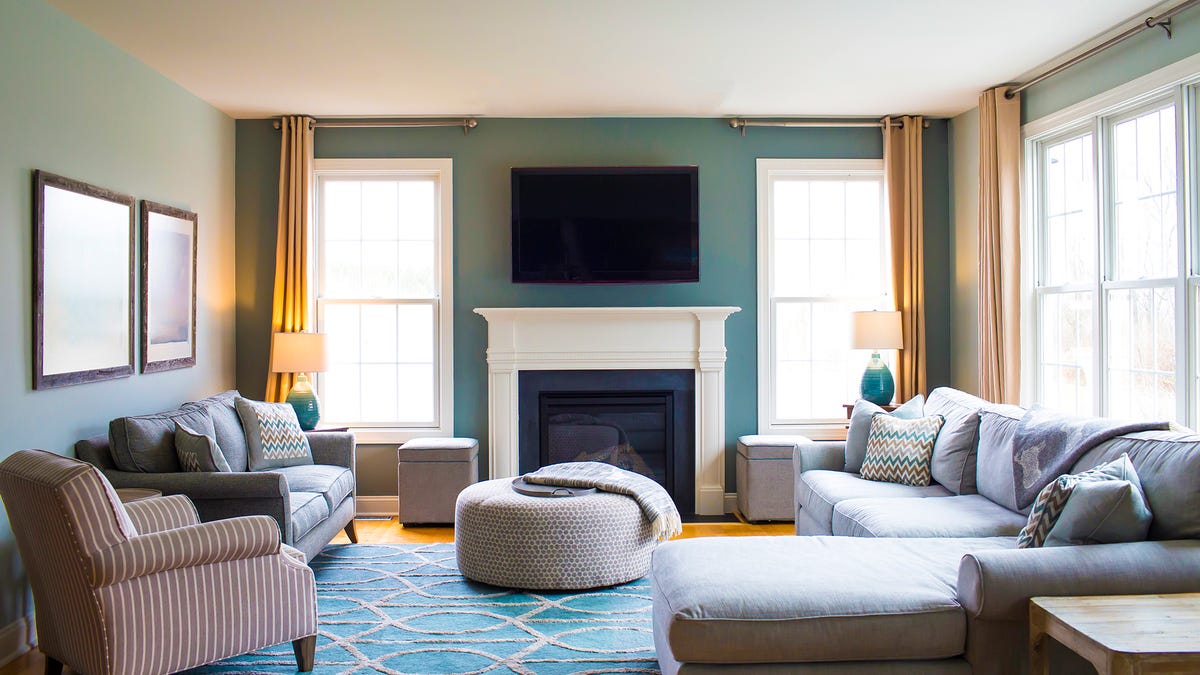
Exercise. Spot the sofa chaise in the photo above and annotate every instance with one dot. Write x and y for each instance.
(889, 578)
(311, 503)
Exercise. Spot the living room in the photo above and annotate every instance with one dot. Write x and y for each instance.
(138, 108)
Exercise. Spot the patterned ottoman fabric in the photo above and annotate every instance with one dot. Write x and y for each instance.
(508, 539)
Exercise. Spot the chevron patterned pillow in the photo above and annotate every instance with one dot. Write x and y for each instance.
(197, 451)
(273, 435)
(899, 450)
(1117, 516)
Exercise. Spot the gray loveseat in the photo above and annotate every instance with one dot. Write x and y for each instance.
(896, 579)
(311, 503)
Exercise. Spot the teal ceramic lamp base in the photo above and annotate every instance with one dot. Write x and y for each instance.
(304, 400)
(878, 387)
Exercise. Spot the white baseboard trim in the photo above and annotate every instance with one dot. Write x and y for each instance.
(730, 502)
(16, 639)
(380, 505)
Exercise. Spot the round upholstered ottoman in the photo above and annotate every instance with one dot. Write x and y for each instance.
(505, 538)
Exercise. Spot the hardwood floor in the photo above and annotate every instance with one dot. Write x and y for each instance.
(392, 532)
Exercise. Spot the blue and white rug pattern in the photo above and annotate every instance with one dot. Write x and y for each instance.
(405, 609)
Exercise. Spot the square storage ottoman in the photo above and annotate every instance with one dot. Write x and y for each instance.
(430, 474)
(765, 484)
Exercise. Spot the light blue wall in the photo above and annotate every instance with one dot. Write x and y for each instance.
(73, 104)
(481, 236)
(1145, 53)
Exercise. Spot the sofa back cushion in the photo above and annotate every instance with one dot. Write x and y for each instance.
(994, 470)
(146, 443)
(954, 452)
(1168, 466)
(230, 435)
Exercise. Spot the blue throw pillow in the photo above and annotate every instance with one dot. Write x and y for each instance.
(1104, 505)
(860, 427)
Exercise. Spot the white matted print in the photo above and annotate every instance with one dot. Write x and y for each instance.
(83, 282)
(168, 287)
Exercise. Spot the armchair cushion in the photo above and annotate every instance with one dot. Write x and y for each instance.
(332, 482)
(162, 513)
(203, 544)
(273, 434)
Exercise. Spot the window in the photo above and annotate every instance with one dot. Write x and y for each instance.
(822, 253)
(383, 295)
(1114, 283)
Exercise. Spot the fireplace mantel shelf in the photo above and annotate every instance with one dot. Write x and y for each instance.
(592, 338)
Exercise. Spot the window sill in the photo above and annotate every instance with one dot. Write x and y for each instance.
(817, 432)
(396, 436)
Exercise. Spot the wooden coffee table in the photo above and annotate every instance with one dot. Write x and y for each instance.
(1119, 633)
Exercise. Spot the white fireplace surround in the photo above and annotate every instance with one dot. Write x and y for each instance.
(611, 338)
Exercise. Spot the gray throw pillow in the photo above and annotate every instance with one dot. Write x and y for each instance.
(197, 451)
(860, 427)
(1104, 505)
(273, 435)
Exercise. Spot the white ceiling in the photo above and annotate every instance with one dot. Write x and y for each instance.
(570, 58)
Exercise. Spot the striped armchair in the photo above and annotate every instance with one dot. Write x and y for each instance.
(146, 588)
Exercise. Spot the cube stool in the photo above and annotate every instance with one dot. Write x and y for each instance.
(505, 538)
(430, 474)
(765, 482)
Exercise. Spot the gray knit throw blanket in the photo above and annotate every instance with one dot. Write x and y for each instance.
(656, 504)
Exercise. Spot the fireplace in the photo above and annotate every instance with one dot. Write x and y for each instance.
(640, 420)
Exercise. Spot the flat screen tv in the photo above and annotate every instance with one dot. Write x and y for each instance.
(600, 225)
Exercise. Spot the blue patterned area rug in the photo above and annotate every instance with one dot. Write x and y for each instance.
(406, 609)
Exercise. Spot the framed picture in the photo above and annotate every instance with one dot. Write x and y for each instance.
(168, 287)
(82, 282)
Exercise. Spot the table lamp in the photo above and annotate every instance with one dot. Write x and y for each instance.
(300, 353)
(875, 331)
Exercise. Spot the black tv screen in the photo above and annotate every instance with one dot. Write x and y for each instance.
(605, 225)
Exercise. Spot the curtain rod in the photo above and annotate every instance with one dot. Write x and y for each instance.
(741, 123)
(467, 124)
(1161, 21)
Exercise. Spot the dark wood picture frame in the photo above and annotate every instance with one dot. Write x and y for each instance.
(75, 320)
(178, 349)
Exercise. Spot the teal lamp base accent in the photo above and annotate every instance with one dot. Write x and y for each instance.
(304, 400)
(878, 387)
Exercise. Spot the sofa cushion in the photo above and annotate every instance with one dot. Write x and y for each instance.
(993, 471)
(273, 434)
(146, 443)
(954, 451)
(198, 452)
(860, 426)
(334, 483)
(781, 599)
(899, 450)
(230, 435)
(959, 516)
(818, 491)
(1168, 467)
(308, 510)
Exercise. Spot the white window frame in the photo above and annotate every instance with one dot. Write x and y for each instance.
(766, 169)
(441, 170)
(1177, 83)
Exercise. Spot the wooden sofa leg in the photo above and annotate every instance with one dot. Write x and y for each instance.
(53, 666)
(305, 648)
(351, 532)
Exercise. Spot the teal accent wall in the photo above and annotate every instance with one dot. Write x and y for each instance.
(74, 104)
(482, 161)
(1138, 56)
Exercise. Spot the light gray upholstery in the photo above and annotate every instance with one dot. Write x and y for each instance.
(779, 599)
(146, 443)
(959, 516)
(430, 472)
(818, 491)
(230, 436)
(860, 427)
(765, 488)
(505, 538)
(333, 483)
(993, 471)
(954, 452)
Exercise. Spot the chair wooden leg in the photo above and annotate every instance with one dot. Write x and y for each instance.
(351, 532)
(305, 648)
(53, 666)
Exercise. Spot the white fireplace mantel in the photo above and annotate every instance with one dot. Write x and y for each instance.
(616, 338)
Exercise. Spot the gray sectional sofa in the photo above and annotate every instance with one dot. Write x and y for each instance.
(311, 503)
(888, 578)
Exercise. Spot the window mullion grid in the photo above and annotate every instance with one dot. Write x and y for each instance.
(1183, 328)
(1101, 169)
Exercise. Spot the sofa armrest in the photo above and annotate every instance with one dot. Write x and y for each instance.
(199, 485)
(162, 513)
(335, 448)
(812, 455)
(998, 584)
(204, 544)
